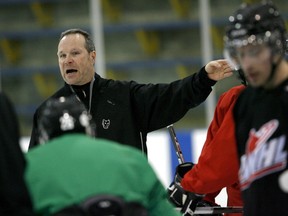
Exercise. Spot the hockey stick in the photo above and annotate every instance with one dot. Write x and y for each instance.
(210, 210)
(176, 144)
(218, 210)
(200, 210)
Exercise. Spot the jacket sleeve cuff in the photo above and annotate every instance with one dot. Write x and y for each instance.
(203, 77)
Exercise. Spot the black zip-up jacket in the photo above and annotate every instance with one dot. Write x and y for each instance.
(125, 111)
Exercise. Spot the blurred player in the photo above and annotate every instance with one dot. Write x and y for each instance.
(72, 169)
(257, 38)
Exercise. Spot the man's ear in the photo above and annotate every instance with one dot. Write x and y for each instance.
(93, 56)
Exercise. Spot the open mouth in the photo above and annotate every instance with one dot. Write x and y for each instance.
(252, 76)
(71, 71)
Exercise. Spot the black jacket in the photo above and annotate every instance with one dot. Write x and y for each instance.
(126, 111)
(14, 197)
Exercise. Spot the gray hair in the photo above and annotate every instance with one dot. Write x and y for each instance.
(89, 44)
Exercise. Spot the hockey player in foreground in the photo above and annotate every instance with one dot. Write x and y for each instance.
(217, 166)
(256, 37)
(72, 173)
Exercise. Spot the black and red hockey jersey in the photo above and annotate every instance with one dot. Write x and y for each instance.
(261, 124)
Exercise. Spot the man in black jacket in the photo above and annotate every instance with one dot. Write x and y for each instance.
(125, 111)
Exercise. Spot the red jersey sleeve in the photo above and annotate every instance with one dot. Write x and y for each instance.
(217, 166)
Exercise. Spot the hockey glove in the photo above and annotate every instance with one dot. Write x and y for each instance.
(175, 191)
(187, 201)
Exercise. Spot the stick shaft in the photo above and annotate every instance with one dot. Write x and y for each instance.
(176, 144)
(216, 210)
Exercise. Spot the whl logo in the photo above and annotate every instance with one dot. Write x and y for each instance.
(262, 157)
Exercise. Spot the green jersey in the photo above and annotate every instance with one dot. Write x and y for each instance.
(73, 167)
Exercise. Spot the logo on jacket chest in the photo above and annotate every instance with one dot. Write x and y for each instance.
(105, 123)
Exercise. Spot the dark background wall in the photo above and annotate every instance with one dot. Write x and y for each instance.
(147, 41)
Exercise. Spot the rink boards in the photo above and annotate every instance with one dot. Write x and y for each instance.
(162, 155)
